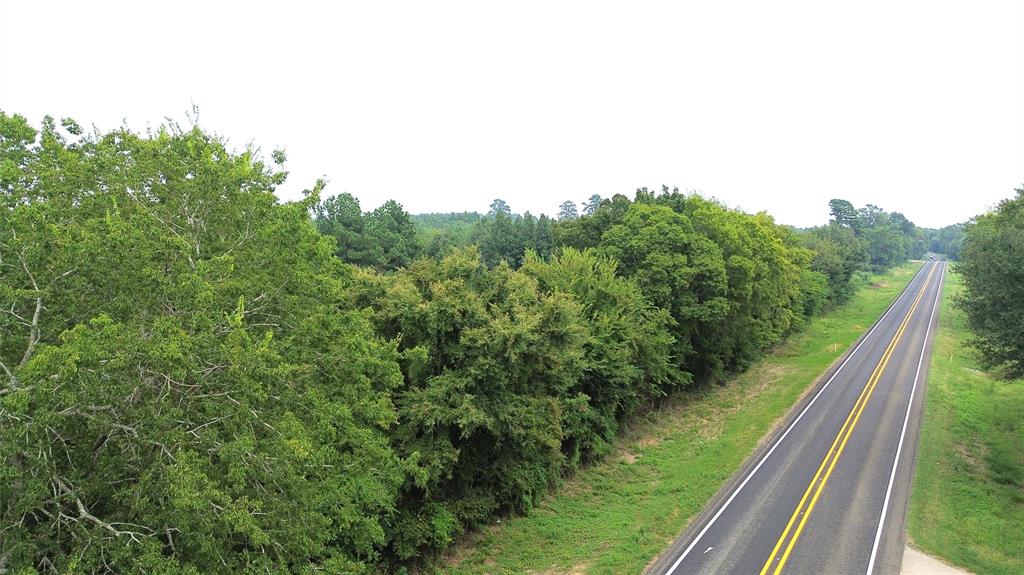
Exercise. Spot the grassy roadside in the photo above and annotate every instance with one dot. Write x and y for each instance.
(967, 501)
(615, 517)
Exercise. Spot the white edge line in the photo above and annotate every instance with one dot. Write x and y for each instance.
(736, 492)
(903, 432)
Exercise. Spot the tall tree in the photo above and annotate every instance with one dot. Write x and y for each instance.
(678, 270)
(591, 205)
(341, 218)
(843, 213)
(391, 230)
(567, 211)
(498, 206)
(992, 265)
(181, 376)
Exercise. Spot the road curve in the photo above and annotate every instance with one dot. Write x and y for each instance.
(827, 493)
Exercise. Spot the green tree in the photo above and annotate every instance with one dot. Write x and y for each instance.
(992, 265)
(490, 363)
(763, 268)
(392, 233)
(627, 357)
(838, 255)
(182, 378)
(342, 218)
(582, 233)
(567, 211)
(678, 270)
(591, 205)
(499, 207)
(844, 214)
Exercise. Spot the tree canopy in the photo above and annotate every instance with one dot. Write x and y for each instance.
(992, 265)
(182, 382)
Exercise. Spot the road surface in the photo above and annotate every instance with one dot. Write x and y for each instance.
(827, 493)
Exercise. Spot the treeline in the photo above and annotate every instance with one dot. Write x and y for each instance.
(946, 241)
(992, 266)
(193, 381)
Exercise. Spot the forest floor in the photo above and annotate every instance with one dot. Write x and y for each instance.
(967, 500)
(616, 516)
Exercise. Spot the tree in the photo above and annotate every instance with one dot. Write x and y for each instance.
(544, 239)
(491, 363)
(567, 211)
(838, 254)
(181, 377)
(627, 355)
(591, 205)
(843, 214)
(763, 268)
(678, 270)
(992, 266)
(391, 231)
(585, 232)
(341, 218)
(498, 206)
(946, 241)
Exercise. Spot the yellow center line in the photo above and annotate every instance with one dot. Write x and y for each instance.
(833, 454)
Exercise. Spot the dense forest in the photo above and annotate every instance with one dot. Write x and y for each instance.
(198, 378)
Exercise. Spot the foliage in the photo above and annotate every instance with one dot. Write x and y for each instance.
(567, 211)
(385, 239)
(946, 241)
(627, 357)
(442, 233)
(492, 368)
(733, 283)
(890, 238)
(181, 384)
(507, 238)
(992, 265)
(770, 290)
(679, 270)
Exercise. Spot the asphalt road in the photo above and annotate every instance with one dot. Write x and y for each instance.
(827, 493)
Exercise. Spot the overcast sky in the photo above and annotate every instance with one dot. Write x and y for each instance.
(917, 107)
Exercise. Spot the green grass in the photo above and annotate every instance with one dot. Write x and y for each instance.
(967, 502)
(616, 516)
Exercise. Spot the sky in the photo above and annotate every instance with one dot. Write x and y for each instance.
(917, 107)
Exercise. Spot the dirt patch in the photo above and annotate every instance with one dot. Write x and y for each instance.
(880, 285)
(649, 441)
(575, 570)
(972, 455)
(466, 544)
(628, 457)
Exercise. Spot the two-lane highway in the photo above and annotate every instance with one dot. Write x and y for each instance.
(828, 493)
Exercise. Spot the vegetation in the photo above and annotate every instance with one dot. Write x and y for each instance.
(946, 241)
(440, 233)
(615, 516)
(992, 264)
(384, 239)
(967, 504)
(196, 378)
(183, 384)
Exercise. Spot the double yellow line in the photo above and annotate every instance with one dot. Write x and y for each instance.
(808, 501)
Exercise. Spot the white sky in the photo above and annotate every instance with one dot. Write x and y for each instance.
(915, 106)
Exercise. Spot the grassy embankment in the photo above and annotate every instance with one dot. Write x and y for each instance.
(967, 502)
(616, 516)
